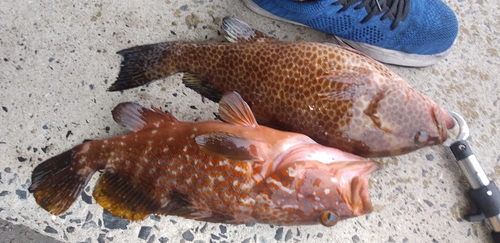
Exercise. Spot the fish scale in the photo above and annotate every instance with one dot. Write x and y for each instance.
(235, 172)
(335, 95)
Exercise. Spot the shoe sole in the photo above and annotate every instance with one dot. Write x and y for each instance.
(378, 53)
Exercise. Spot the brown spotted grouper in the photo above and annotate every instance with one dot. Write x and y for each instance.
(335, 95)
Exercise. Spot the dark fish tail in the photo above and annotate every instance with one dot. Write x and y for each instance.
(57, 182)
(141, 65)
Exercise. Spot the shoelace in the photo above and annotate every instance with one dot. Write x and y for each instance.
(395, 10)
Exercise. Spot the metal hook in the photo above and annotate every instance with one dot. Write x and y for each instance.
(463, 129)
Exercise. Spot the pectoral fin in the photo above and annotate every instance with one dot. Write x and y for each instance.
(350, 83)
(231, 146)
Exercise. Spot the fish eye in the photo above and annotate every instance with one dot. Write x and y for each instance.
(328, 218)
(421, 137)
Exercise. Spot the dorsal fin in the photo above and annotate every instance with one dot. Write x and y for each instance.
(239, 31)
(233, 109)
(135, 117)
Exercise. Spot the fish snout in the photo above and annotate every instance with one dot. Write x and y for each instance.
(448, 119)
(444, 122)
(357, 195)
(437, 131)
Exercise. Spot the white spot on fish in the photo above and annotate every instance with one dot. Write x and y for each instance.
(84, 171)
(164, 201)
(111, 167)
(223, 162)
(170, 139)
(334, 180)
(239, 169)
(122, 144)
(161, 181)
(165, 149)
(105, 141)
(84, 149)
(247, 201)
(185, 149)
(154, 131)
(246, 186)
(152, 170)
(195, 129)
(270, 180)
(287, 206)
(138, 171)
(327, 191)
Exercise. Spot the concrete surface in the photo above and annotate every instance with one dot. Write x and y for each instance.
(19, 233)
(57, 58)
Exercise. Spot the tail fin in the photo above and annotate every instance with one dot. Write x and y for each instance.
(141, 65)
(57, 182)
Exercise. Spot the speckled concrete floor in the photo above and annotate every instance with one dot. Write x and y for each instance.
(58, 58)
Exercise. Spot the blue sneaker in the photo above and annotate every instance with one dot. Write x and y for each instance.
(413, 33)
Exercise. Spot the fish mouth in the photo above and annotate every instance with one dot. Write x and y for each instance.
(448, 119)
(444, 122)
(359, 201)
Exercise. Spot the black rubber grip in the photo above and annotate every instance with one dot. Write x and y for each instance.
(489, 205)
(461, 150)
(495, 236)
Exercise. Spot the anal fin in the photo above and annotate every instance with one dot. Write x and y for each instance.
(124, 197)
(202, 87)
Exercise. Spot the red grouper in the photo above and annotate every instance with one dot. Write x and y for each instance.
(335, 95)
(235, 172)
